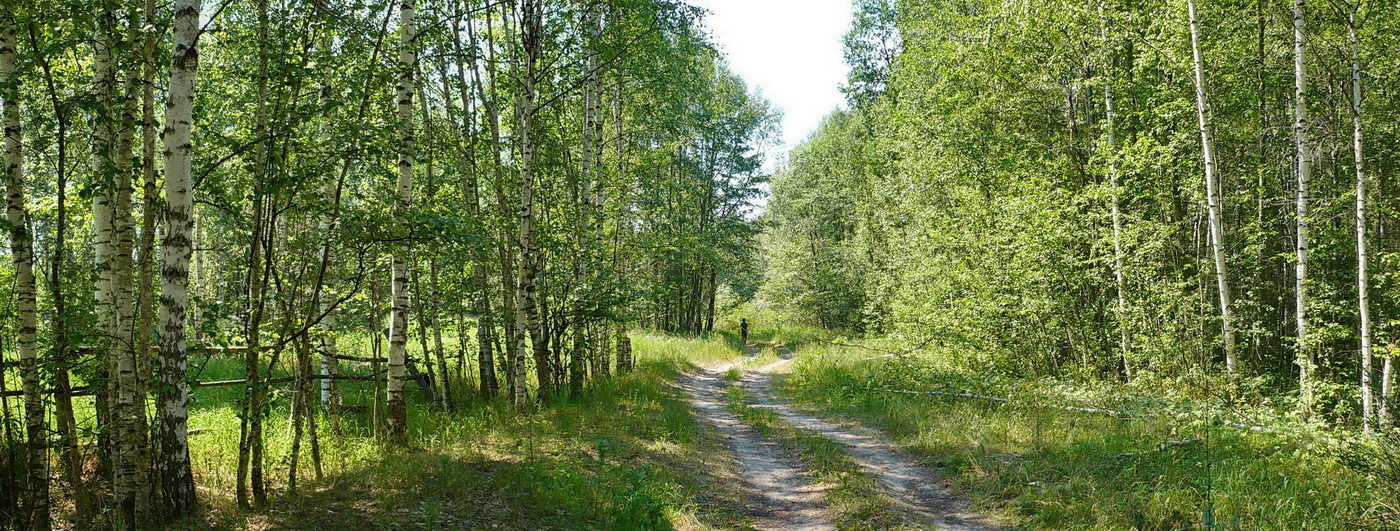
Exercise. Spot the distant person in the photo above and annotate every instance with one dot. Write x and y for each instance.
(744, 332)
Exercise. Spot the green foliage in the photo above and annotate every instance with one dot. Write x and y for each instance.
(965, 196)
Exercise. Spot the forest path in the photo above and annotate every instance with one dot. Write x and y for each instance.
(785, 495)
(914, 487)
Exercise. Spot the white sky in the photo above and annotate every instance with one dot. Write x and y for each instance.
(790, 50)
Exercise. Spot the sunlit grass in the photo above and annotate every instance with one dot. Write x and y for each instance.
(629, 454)
(1056, 469)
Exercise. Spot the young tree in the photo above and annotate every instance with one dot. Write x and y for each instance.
(527, 315)
(1306, 358)
(1217, 237)
(1109, 130)
(1362, 257)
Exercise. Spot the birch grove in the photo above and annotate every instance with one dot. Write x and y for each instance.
(264, 270)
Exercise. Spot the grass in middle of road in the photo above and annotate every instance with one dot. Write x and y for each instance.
(855, 499)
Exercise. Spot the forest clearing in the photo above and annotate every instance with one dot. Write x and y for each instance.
(575, 264)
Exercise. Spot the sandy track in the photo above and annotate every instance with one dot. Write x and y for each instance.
(785, 497)
(914, 487)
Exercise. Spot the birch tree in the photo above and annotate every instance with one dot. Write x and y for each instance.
(1217, 237)
(1109, 131)
(527, 313)
(1306, 359)
(176, 477)
(1363, 290)
(22, 256)
(471, 193)
(399, 309)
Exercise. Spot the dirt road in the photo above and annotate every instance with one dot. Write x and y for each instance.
(786, 497)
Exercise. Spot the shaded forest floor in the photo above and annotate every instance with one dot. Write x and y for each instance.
(627, 456)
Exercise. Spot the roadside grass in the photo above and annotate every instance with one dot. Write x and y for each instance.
(1056, 469)
(628, 455)
(856, 500)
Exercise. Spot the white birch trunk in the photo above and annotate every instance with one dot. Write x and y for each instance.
(22, 255)
(1118, 280)
(526, 314)
(1362, 259)
(1217, 237)
(177, 480)
(128, 400)
(330, 365)
(398, 321)
(1301, 143)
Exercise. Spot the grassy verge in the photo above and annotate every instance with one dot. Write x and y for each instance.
(629, 455)
(856, 499)
(1054, 469)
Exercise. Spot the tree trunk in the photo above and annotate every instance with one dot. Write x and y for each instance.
(1362, 259)
(177, 480)
(504, 248)
(330, 365)
(527, 315)
(398, 325)
(1217, 237)
(63, 398)
(22, 254)
(145, 289)
(1306, 359)
(444, 388)
(1120, 285)
(128, 401)
(250, 448)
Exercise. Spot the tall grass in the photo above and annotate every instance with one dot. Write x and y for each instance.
(1056, 469)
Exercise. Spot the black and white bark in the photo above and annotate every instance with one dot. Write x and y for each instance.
(22, 257)
(176, 477)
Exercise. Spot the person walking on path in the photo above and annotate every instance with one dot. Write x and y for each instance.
(744, 332)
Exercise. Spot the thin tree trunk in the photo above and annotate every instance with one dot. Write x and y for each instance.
(527, 316)
(505, 247)
(103, 170)
(145, 309)
(22, 254)
(398, 326)
(1217, 237)
(1362, 259)
(444, 389)
(177, 480)
(128, 401)
(63, 398)
(1121, 307)
(250, 448)
(330, 365)
(1306, 359)
(376, 334)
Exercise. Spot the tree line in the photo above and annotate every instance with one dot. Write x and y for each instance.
(1180, 194)
(530, 176)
